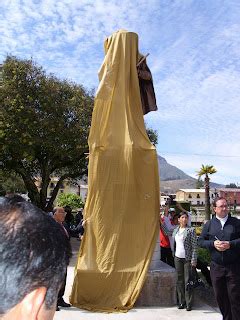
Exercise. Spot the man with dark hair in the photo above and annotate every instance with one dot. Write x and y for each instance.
(59, 216)
(34, 255)
(221, 236)
(69, 217)
(14, 198)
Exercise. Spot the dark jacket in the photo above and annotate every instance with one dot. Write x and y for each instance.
(212, 231)
(147, 93)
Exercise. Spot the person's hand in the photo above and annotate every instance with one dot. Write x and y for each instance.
(85, 222)
(225, 245)
(217, 245)
(221, 245)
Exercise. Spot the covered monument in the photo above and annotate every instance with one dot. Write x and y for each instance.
(122, 207)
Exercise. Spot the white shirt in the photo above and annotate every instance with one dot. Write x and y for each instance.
(180, 251)
(222, 220)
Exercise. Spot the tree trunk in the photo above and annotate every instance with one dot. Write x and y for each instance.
(44, 186)
(54, 193)
(207, 199)
(31, 188)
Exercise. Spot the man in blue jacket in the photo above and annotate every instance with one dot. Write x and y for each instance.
(221, 236)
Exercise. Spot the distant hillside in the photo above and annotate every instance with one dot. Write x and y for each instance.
(173, 179)
(169, 172)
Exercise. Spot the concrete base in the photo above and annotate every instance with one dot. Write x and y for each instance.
(160, 285)
(159, 288)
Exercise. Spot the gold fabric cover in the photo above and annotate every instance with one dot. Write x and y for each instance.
(122, 206)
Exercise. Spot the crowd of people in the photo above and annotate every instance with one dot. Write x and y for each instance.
(35, 252)
(221, 236)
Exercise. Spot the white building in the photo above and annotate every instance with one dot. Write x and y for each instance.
(193, 196)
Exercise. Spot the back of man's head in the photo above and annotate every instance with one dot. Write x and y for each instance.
(34, 254)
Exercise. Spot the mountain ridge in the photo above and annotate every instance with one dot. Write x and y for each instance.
(172, 178)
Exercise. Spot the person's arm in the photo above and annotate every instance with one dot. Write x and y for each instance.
(145, 75)
(168, 224)
(166, 209)
(203, 240)
(236, 242)
(144, 72)
(194, 247)
(180, 207)
(165, 230)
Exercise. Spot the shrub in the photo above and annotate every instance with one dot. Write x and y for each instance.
(204, 255)
(70, 199)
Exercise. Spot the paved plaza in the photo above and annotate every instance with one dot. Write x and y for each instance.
(201, 311)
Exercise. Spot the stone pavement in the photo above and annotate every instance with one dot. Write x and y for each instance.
(201, 311)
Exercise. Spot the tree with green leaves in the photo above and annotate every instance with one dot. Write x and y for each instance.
(206, 171)
(11, 182)
(232, 185)
(44, 128)
(152, 135)
(71, 200)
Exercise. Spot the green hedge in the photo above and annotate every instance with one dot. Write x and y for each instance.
(204, 255)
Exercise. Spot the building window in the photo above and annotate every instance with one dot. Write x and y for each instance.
(202, 203)
(189, 196)
(198, 203)
(198, 195)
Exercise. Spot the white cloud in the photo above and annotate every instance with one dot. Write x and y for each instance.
(194, 56)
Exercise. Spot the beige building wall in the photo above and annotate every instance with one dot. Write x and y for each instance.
(194, 196)
(80, 188)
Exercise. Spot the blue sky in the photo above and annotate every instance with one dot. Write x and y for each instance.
(194, 48)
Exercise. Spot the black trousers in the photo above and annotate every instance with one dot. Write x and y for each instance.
(226, 286)
(62, 289)
(167, 256)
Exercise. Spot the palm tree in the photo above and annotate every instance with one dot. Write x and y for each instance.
(205, 171)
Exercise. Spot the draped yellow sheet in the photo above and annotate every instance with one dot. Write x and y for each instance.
(123, 198)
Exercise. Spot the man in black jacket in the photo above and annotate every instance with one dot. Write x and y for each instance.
(59, 216)
(221, 236)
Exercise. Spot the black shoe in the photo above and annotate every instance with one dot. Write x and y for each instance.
(57, 308)
(181, 306)
(63, 304)
(189, 309)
